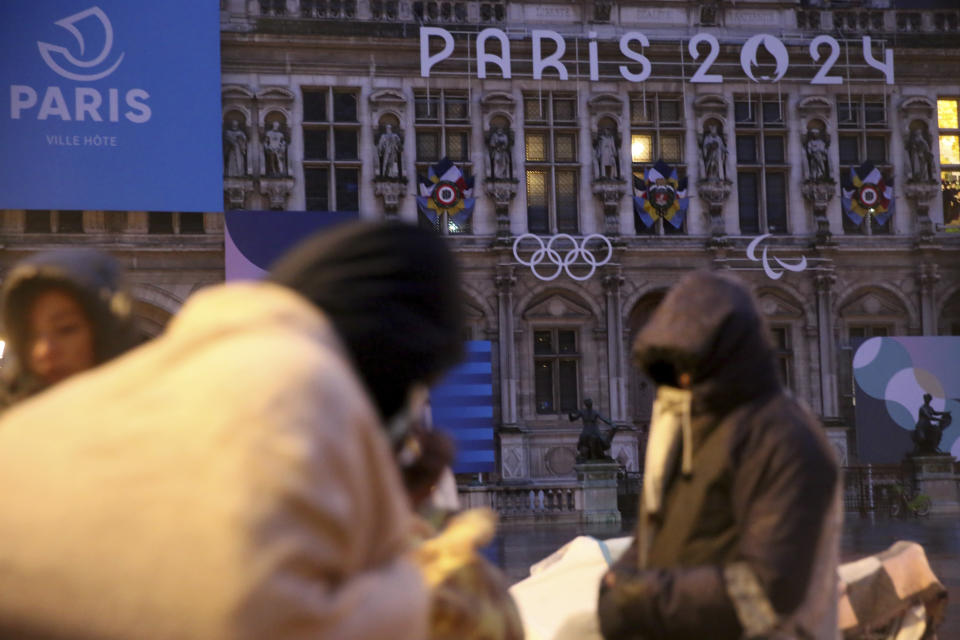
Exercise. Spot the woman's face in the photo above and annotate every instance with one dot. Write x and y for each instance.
(60, 337)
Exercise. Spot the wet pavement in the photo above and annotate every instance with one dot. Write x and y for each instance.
(516, 547)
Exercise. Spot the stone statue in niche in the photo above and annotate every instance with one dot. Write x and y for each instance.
(606, 155)
(815, 144)
(713, 154)
(920, 154)
(592, 444)
(234, 150)
(275, 150)
(389, 149)
(500, 153)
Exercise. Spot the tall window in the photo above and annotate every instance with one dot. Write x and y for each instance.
(947, 121)
(552, 168)
(556, 363)
(443, 129)
(172, 222)
(656, 133)
(762, 169)
(53, 222)
(331, 162)
(783, 350)
(863, 136)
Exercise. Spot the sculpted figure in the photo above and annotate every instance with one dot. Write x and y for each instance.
(921, 156)
(713, 153)
(592, 444)
(234, 150)
(930, 427)
(499, 149)
(388, 150)
(608, 162)
(275, 150)
(815, 147)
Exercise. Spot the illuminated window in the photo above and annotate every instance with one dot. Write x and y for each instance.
(552, 168)
(443, 130)
(657, 125)
(949, 125)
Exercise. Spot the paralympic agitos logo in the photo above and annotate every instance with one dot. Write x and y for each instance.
(86, 103)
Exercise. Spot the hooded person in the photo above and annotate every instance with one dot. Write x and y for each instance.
(64, 312)
(232, 478)
(739, 526)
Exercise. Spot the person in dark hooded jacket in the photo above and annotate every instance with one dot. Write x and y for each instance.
(64, 311)
(739, 525)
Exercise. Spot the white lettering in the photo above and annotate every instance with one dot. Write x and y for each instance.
(625, 40)
(426, 60)
(553, 60)
(88, 106)
(114, 98)
(502, 61)
(140, 112)
(886, 66)
(701, 75)
(53, 104)
(594, 60)
(21, 97)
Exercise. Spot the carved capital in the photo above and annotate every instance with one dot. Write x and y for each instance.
(714, 192)
(613, 280)
(392, 191)
(236, 191)
(824, 281)
(276, 190)
(505, 280)
(928, 275)
(921, 192)
(501, 191)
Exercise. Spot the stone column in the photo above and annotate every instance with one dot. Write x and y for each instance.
(927, 277)
(616, 367)
(505, 282)
(823, 282)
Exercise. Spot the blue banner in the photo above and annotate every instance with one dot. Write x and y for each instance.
(253, 240)
(110, 105)
(462, 405)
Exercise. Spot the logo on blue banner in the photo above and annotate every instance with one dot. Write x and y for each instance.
(106, 110)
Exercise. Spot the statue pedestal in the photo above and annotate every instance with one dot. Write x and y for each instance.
(934, 476)
(599, 483)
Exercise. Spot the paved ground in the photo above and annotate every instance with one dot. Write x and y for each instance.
(517, 547)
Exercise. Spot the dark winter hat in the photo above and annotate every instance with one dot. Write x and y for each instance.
(94, 279)
(392, 291)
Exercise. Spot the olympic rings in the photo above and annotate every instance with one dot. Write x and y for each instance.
(563, 263)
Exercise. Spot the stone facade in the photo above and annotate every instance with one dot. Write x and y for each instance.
(335, 74)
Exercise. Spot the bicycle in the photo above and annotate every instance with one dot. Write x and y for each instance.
(904, 501)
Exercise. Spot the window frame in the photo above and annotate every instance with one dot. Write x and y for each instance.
(864, 131)
(949, 186)
(443, 126)
(657, 128)
(762, 169)
(329, 163)
(560, 403)
(549, 127)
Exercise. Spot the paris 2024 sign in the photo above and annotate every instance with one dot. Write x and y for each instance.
(896, 379)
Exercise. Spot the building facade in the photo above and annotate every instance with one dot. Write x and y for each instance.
(768, 110)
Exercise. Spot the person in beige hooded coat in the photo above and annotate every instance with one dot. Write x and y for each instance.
(231, 479)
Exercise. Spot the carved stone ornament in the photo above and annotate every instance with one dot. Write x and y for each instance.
(392, 191)
(502, 192)
(236, 191)
(610, 192)
(819, 194)
(276, 190)
(715, 193)
(920, 194)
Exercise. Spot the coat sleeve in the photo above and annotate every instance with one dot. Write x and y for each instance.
(330, 538)
(782, 491)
